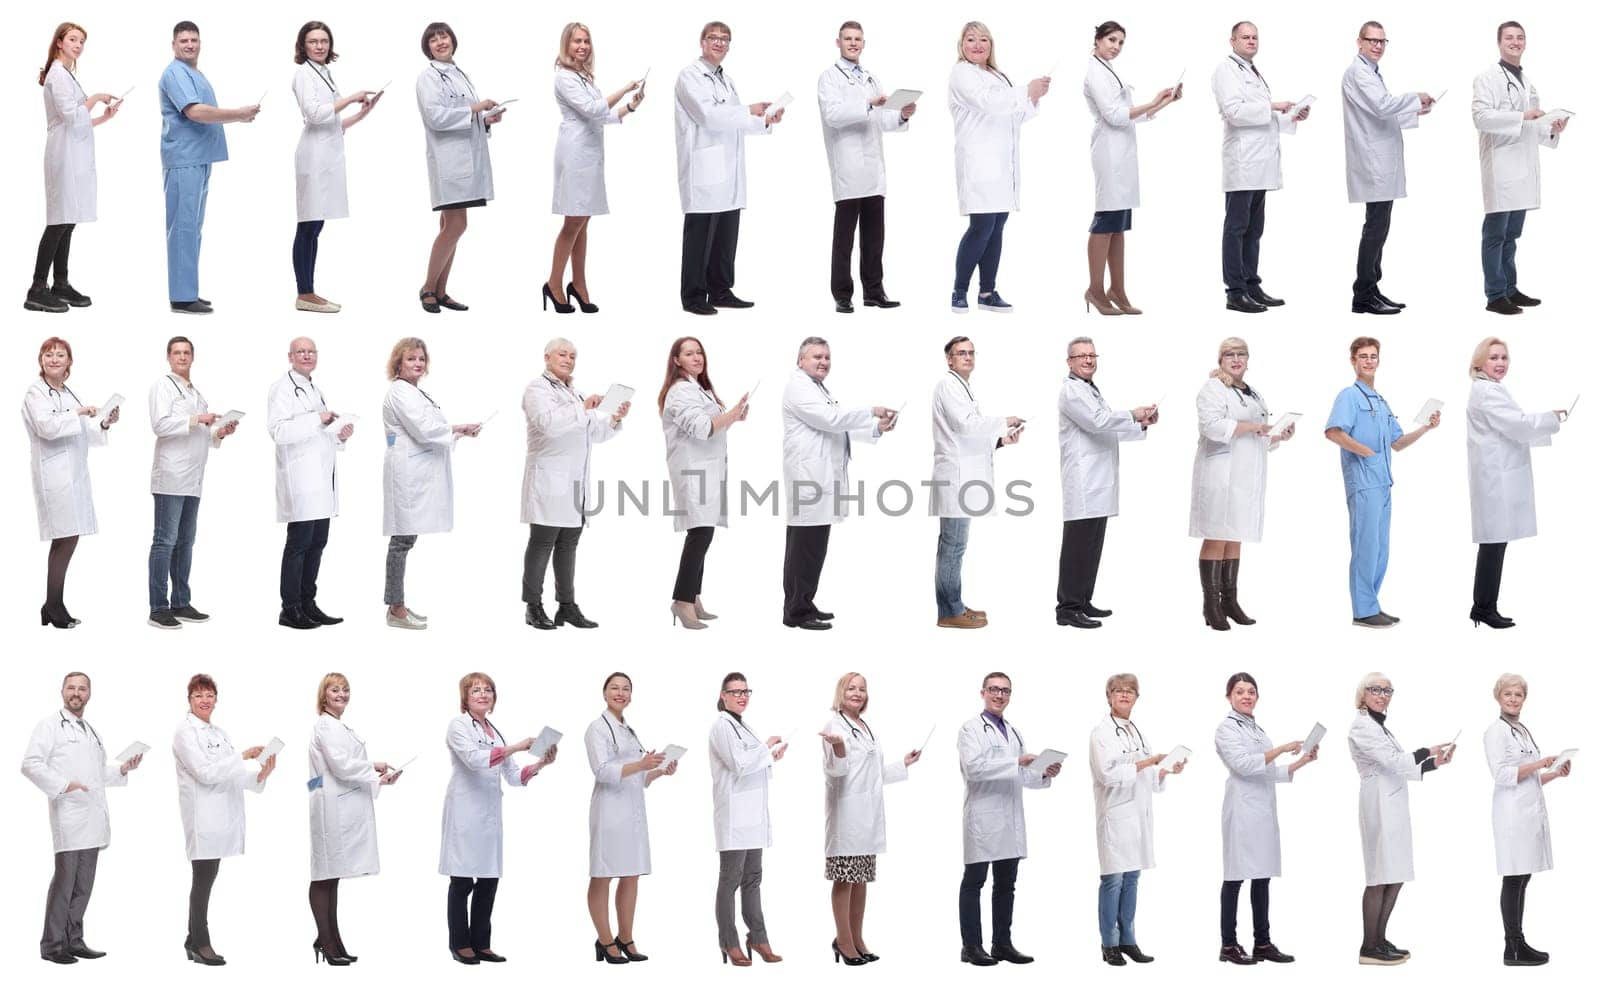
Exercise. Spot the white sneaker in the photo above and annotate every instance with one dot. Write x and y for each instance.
(409, 622)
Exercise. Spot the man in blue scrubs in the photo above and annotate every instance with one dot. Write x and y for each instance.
(1368, 434)
(191, 141)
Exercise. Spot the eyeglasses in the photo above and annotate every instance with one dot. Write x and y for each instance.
(963, 352)
(1236, 354)
(1084, 356)
(717, 39)
(1380, 690)
(1125, 692)
(302, 352)
(997, 690)
(739, 693)
(1377, 42)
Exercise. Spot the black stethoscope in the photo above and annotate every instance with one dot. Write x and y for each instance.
(1511, 88)
(851, 76)
(1246, 721)
(855, 733)
(490, 733)
(54, 394)
(215, 739)
(1371, 409)
(300, 392)
(430, 400)
(1091, 384)
(614, 745)
(1518, 732)
(450, 83)
(1128, 738)
(1114, 75)
(1251, 68)
(199, 398)
(719, 84)
(988, 725)
(81, 92)
(738, 725)
(964, 386)
(73, 735)
(1241, 390)
(325, 76)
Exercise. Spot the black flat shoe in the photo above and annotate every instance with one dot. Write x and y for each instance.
(564, 308)
(977, 956)
(1235, 954)
(196, 307)
(1093, 611)
(1239, 301)
(1391, 947)
(879, 301)
(1112, 955)
(450, 303)
(1380, 296)
(809, 624)
(1503, 306)
(534, 616)
(468, 960)
(1491, 618)
(1260, 298)
(1076, 618)
(1524, 301)
(78, 299)
(40, 300)
(1133, 953)
(63, 958)
(429, 300)
(488, 956)
(699, 308)
(315, 613)
(1372, 306)
(568, 613)
(1268, 953)
(83, 952)
(838, 955)
(843, 307)
(729, 300)
(296, 618)
(588, 307)
(603, 952)
(822, 615)
(633, 955)
(1009, 954)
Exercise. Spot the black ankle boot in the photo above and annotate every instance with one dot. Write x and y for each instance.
(568, 613)
(535, 617)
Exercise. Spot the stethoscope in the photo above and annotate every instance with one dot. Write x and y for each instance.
(1518, 732)
(1511, 88)
(199, 398)
(856, 734)
(1114, 75)
(491, 734)
(719, 84)
(1099, 398)
(851, 76)
(738, 725)
(1371, 409)
(326, 77)
(1248, 721)
(73, 735)
(1241, 390)
(1128, 738)
(83, 93)
(987, 726)
(964, 386)
(430, 400)
(614, 745)
(55, 396)
(1251, 68)
(215, 739)
(300, 392)
(450, 83)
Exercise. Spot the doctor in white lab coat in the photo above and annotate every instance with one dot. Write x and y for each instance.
(1500, 441)
(1386, 769)
(472, 831)
(1507, 113)
(343, 781)
(1250, 819)
(1228, 491)
(741, 766)
(319, 180)
(854, 771)
(963, 486)
(1126, 775)
(817, 436)
(563, 427)
(1251, 124)
(1521, 824)
(1090, 435)
(67, 761)
(418, 492)
(61, 429)
(212, 779)
(619, 834)
(996, 767)
(989, 113)
(695, 422)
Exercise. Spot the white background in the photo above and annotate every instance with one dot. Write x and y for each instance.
(1303, 651)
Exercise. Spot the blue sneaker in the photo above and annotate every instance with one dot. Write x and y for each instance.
(992, 302)
(958, 302)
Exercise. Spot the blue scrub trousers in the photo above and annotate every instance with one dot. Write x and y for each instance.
(1369, 547)
(186, 213)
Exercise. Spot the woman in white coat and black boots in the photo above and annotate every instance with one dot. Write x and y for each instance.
(344, 828)
(212, 779)
(855, 772)
(989, 113)
(1228, 493)
(619, 835)
(69, 173)
(1114, 152)
(1250, 849)
(60, 431)
(1385, 768)
(741, 766)
(1521, 824)
(1500, 439)
(695, 423)
(472, 832)
(580, 168)
(418, 493)
(319, 184)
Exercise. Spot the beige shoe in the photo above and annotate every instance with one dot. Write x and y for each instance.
(409, 622)
(304, 306)
(683, 613)
(702, 612)
(963, 621)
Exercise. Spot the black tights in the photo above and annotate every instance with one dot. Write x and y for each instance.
(55, 583)
(1513, 896)
(1258, 912)
(204, 876)
(1377, 901)
(325, 910)
(53, 249)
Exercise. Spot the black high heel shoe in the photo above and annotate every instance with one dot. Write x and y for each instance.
(1490, 617)
(602, 951)
(428, 306)
(56, 617)
(628, 951)
(589, 308)
(565, 308)
(195, 956)
(321, 954)
(848, 960)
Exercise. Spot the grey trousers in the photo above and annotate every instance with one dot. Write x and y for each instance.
(67, 900)
(394, 569)
(741, 871)
(543, 540)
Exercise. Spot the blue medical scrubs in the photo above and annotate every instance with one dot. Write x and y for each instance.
(188, 150)
(1364, 415)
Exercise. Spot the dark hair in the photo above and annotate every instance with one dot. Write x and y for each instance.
(1109, 27)
(616, 675)
(995, 675)
(175, 340)
(674, 374)
(75, 675)
(202, 683)
(1238, 677)
(850, 24)
(183, 26)
(300, 56)
(730, 677)
(954, 340)
(437, 27)
(1502, 29)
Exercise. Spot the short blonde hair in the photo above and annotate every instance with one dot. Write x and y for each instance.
(1480, 354)
(1122, 680)
(473, 678)
(401, 350)
(981, 28)
(844, 683)
(1508, 680)
(332, 678)
(1231, 343)
(1371, 678)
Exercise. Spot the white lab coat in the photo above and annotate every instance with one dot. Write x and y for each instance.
(619, 834)
(580, 167)
(1508, 146)
(1374, 148)
(418, 492)
(817, 433)
(993, 827)
(1090, 437)
(853, 790)
(697, 457)
(1521, 824)
(710, 124)
(319, 183)
(963, 451)
(1250, 128)
(59, 442)
(852, 131)
(989, 113)
(457, 138)
(1228, 493)
(1500, 438)
(69, 173)
(212, 779)
(472, 832)
(561, 435)
(62, 749)
(182, 444)
(1385, 768)
(741, 766)
(1124, 814)
(307, 476)
(1250, 847)
(344, 827)
(1113, 145)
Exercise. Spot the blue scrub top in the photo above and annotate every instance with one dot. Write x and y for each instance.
(184, 142)
(1364, 415)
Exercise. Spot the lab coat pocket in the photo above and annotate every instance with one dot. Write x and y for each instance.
(708, 165)
(984, 164)
(990, 821)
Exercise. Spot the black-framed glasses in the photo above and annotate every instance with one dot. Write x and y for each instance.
(1381, 690)
(1377, 42)
(739, 693)
(997, 690)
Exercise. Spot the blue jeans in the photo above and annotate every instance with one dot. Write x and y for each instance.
(947, 565)
(171, 549)
(1500, 232)
(980, 248)
(1119, 896)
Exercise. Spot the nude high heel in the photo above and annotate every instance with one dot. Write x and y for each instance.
(684, 613)
(1104, 308)
(702, 612)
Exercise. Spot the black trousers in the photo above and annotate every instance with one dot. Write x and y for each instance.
(470, 929)
(68, 899)
(203, 875)
(54, 247)
(1245, 218)
(692, 563)
(710, 241)
(1369, 256)
(805, 548)
(1486, 579)
(1081, 542)
(543, 540)
(1005, 886)
(1258, 912)
(847, 213)
(302, 560)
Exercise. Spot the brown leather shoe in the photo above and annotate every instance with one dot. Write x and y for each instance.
(963, 621)
(763, 950)
(980, 614)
